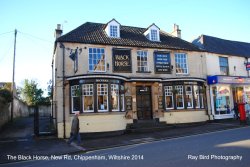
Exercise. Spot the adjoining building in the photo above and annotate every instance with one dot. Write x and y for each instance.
(228, 74)
(117, 75)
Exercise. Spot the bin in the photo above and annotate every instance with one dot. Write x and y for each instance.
(241, 109)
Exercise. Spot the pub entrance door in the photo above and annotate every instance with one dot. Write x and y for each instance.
(144, 102)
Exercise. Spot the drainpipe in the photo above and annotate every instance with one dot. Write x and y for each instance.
(63, 89)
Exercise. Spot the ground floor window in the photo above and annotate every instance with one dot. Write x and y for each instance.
(221, 98)
(102, 96)
(179, 97)
(88, 97)
(169, 97)
(75, 98)
(91, 96)
(184, 95)
(115, 97)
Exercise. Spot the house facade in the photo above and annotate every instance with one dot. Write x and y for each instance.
(117, 75)
(228, 74)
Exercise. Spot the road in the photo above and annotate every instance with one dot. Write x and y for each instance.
(228, 148)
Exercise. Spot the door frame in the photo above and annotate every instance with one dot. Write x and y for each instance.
(150, 99)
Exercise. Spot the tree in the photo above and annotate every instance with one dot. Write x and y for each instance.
(30, 93)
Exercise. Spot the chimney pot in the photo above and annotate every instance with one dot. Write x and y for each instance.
(58, 31)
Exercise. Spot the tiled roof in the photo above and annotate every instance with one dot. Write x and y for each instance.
(222, 46)
(94, 33)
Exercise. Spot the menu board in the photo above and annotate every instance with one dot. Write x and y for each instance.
(160, 102)
(128, 103)
(162, 63)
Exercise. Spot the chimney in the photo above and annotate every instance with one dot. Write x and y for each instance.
(58, 31)
(177, 31)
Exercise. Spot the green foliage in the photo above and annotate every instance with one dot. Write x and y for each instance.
(6, 95)
(31, 94)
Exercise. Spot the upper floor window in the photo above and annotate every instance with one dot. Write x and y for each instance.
(142, 61)
(224, 69)
(97, 60)
(154, 35)
(113, 31)
(112, 28)
(181, 63)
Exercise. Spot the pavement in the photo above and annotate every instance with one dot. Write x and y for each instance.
(17, 138)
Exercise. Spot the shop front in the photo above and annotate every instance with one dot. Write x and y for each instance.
(226, 92)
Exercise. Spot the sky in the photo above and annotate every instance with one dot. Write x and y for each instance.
(36, 21)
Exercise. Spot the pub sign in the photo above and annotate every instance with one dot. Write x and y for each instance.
(122, 60)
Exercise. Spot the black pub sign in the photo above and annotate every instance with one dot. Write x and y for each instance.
(122, 60)
(162, 62)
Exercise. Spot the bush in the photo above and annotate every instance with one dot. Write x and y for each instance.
(6, 95)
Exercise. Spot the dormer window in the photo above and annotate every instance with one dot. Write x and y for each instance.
(153, 33)
(154, 36)
(112, 29)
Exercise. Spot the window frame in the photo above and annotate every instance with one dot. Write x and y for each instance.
(107, 96)
(142, 54)
(221, 64)
(96, 59)
(190, 94)
(179, 59)
(113, 30)
(83, 98)
(117, 94)
(154, 35)
(182, 95)
(170, 94)
(72, 95)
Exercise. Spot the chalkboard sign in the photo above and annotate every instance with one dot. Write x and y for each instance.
(122, 60)
(128, 103)
(162, 62)
(160, 102)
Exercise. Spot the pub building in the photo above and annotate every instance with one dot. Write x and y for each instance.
(117, 76)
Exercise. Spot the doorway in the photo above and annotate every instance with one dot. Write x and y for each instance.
(144, 102)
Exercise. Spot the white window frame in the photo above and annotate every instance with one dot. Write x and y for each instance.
(89, 89)
(154, 35)
(179, 88)
(113, 31)
(142, 54)
(197, 95)
(73, 94)
(190, 93)
(181, 59)
(115, 92)
(169, 92)
(102, 93)
(96, 59)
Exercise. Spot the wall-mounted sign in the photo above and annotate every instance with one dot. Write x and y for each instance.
(162, 62)
(160, 102)
(122, 61)
(128, 103)
(227, 80)
(248, 66)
